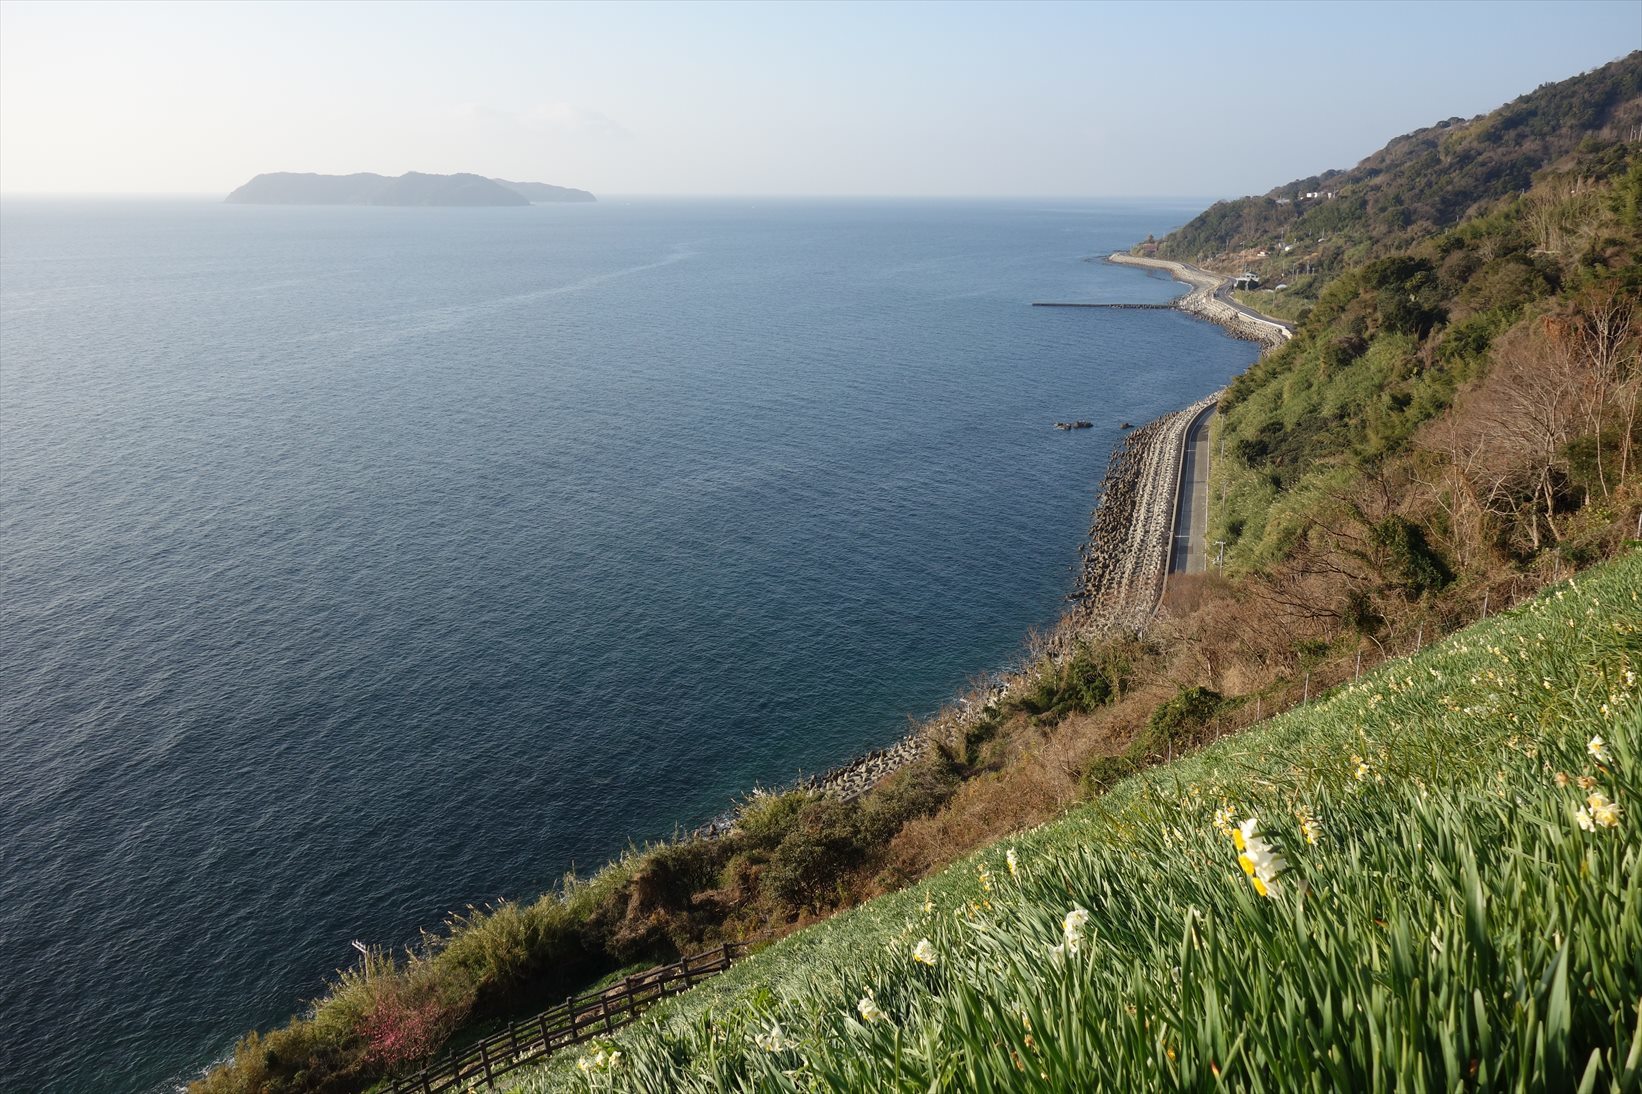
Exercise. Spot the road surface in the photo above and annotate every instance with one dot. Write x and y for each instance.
(1189, 552)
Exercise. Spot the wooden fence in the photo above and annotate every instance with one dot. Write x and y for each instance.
(576, 1019)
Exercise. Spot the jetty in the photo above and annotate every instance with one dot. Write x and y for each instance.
(1074, 304)
(1207, 297)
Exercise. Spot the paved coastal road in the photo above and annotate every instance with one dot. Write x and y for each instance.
(1189, 552)
(1224, 295)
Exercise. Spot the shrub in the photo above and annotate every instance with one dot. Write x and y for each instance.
(806, 867)
(765, 818)
(1175, 723)
(915, 791)
(1081, 681)
(1411, 562)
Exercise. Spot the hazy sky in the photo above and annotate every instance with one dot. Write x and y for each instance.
(1201, 99)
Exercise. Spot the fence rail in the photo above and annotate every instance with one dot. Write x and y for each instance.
(576, 1019)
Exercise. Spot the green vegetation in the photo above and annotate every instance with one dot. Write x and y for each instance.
(1454, 406)
(1455, 903)
(1088, 677)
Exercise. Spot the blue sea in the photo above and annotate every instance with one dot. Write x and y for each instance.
(357, 564)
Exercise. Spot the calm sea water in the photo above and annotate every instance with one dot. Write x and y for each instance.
(362, 563)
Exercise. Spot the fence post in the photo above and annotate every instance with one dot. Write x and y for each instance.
(1419, 639)
(547, 1038)
(604, 1008)
(427, 1086)
(1485, 605)
(484, 1062)
(684, 967)
(513, 1038)
(1359, 674)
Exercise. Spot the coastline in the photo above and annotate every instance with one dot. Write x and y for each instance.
(1203, 300)
(1125, 557)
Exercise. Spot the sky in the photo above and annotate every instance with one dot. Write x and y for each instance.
(872, 99)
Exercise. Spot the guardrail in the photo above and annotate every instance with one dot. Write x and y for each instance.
(577, 1019)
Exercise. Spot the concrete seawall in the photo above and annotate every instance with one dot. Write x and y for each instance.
(1201, 300)
(1126, 558)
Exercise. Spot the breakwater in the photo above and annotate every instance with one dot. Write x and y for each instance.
(1202, 299)
(1077, 304)
(1126, 557)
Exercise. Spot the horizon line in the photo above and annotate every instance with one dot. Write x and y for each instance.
(663, 195)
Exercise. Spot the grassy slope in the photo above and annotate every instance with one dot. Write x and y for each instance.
(1452, 926)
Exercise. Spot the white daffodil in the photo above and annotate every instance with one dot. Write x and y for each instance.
(1603, 811)
(1013, 862)
(924, 952)
(773, 1040)
(868, 1007)
(1072, 929)
(1598, 748)
(1259, 859)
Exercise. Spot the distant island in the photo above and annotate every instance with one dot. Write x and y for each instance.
(411, 188)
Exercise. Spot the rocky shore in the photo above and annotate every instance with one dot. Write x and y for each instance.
(1201, 300)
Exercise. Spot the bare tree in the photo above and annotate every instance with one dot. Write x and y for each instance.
(1529, 405)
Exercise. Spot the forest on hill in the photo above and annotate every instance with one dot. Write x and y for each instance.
(1422, 183)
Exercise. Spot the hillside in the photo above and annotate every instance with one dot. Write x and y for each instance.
(1420, 183)
(411, 188)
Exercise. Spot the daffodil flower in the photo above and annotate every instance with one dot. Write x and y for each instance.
(1603, 811)
(773, 1040)
(868, 1007)
(1259, 859)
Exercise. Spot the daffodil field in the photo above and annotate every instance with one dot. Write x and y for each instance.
(1430, 879)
